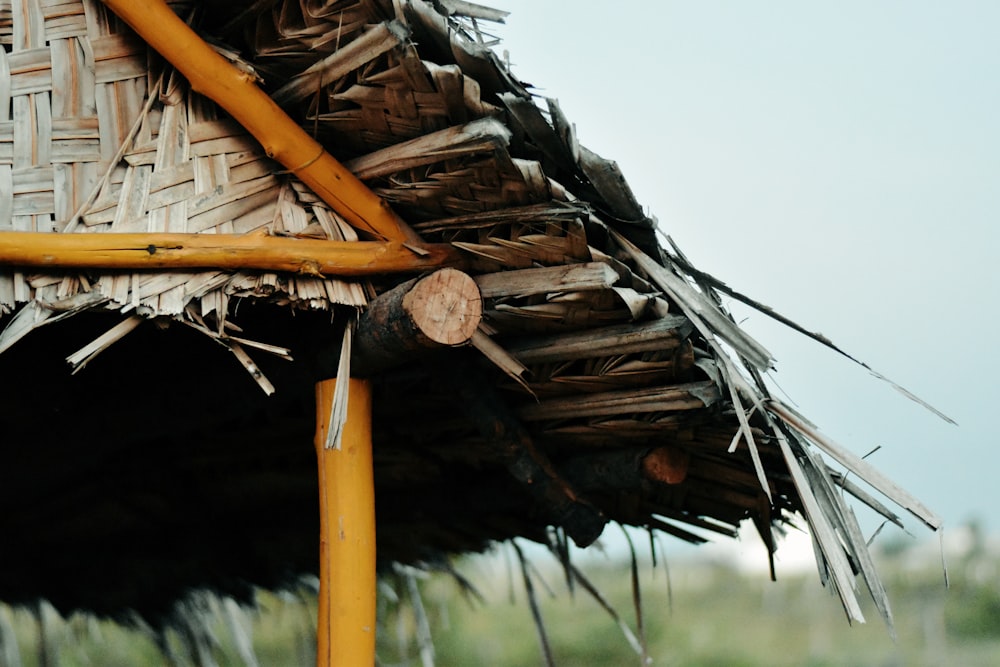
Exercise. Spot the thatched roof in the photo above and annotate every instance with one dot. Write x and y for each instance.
(607, 382)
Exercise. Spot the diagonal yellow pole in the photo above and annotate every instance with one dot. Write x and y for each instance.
(345, 632)
(213, 76)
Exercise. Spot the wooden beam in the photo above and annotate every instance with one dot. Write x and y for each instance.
(220, 251)
(345, 632)
(440, 310)
(236, 91)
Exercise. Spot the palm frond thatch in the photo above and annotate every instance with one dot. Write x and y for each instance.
(607, 382)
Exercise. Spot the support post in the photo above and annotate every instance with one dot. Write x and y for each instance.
(345, 631)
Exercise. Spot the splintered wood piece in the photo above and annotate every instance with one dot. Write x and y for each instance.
(501, 358)
(251, 367)
(86, 354)
(440, 310)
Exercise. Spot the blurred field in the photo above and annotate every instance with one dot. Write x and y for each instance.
(713, 615)
(709, 614)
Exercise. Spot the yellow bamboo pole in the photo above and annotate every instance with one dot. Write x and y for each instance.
(234, 90)
(219, 251)
(345, 631)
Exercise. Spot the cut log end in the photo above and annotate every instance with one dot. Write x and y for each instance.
(445, 307)
(666, 465)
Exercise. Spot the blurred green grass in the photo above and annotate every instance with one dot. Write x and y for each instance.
(709, 614)
(715, 615)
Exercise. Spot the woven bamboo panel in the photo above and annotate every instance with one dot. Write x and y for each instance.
(96, 138)
(72, 83)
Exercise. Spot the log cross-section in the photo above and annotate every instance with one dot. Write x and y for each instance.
(620, 470)
(440, 310)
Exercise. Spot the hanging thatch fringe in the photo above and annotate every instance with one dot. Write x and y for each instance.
(857, 465)
(425, 643)
(86, 354)
(536, 614)
(702, 312)
(239, 629)
(831, 553)
(732, 379)
(10, 654)
(710, 282)
(637, 599)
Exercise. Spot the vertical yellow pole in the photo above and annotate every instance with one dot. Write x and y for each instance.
(345, 632)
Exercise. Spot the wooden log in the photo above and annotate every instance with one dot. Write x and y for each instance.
(282, 138)
(219, 251)
(626, 470)
(440, 310)
(667, 465)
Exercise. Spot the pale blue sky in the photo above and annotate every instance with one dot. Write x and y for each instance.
(837, 161)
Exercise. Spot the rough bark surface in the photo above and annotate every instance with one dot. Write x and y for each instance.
(440, 310)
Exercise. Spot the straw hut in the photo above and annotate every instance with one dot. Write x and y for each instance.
(199, 224)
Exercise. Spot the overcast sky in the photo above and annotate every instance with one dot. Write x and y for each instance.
(837, 161)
